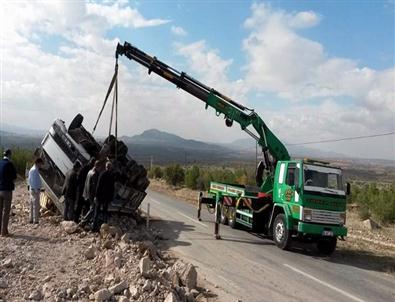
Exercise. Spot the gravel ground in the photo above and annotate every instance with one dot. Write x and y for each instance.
(53, 261)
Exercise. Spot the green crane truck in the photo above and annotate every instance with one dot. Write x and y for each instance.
(293, 199)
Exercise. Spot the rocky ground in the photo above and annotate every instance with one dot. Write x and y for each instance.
(367, 245)
(57, 261)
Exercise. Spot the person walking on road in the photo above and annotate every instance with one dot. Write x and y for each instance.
(34, 182)
(104, 195)
(7, 178)
(90, 190)
(70, 190)
(82, 203)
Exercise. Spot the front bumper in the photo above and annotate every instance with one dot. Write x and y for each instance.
(318, 229)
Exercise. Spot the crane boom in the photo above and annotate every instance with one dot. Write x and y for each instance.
(222, 104)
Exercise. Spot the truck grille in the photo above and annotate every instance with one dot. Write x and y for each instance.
(325, 217)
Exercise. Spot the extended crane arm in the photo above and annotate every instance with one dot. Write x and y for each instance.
(232, 110)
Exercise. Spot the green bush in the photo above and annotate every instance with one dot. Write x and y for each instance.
(174, 175)
(22, 159)
(375, 200)
(157, 172)
(191, 177)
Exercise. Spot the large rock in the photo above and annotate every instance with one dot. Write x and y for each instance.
(186, 272)
(147, 286)
(370, 224)
(148, 246)
(102, 295)
(118, 288)
(145, 266)
(90, 252)
(3, 284)
(171, 297)
(134, 292)
(36, 295)
(189, 276)
(8, 263)
(69, 227)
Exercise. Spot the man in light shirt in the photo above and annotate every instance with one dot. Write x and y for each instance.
(34, 189)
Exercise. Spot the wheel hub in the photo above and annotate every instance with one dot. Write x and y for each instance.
(279, 231)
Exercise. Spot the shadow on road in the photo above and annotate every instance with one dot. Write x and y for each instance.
(356, 258)
(171, 231)
(364, 260)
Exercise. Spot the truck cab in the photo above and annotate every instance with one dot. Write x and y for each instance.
(312, 198)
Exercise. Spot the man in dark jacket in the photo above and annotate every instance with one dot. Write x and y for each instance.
(104, 195)
(90, 191)
(7, 178)
(70, 190)
(82, 203)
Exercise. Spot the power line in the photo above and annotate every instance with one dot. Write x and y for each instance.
(342, 139)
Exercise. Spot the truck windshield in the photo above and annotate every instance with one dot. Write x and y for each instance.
(323, 179)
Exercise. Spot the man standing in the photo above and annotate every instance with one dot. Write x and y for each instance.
(7, 178)
(82, 203)
(70, 190)
(34, 182)
(104, 195)
(90, 190)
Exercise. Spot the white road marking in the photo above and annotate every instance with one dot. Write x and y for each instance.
(155, 201)
(194, 220)
(324, 283)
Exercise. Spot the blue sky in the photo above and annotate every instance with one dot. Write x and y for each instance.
(362, 30)
(312, 69)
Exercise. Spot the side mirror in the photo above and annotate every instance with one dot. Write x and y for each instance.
(348, 188)
(298, 188)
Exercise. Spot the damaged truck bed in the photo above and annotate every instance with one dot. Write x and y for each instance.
(62, 146)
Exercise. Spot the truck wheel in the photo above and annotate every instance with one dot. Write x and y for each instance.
(280, 232)
(327, 246)
(232, 217)
(224, 214)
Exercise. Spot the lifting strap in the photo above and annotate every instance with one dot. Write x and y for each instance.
(114, 81)
(113, 84)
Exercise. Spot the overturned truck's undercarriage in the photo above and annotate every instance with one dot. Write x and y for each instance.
(61, 147)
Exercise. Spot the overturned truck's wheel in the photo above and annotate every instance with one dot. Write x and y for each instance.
(224, 214)
(327, 246)
(281, 234)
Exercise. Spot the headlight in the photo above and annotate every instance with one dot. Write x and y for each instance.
(307, 214)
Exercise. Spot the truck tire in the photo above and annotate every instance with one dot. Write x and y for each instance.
(224, 214)
(280, 232)
(327, 246)
(232, 217)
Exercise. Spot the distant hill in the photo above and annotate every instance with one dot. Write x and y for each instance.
(25, 141)
(160, 147)
(248, 145)
(163, 147)
(162, 138)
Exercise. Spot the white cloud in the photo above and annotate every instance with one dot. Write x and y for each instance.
(292, 67)
(40, 85)
(118, 14)
(178, 30)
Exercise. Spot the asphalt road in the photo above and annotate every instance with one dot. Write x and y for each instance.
(249, 267)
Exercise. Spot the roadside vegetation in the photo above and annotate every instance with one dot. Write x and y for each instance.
(374, 200)
(199, 178)
(22, 159)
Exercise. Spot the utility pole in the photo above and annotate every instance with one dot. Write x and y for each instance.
(151, 162)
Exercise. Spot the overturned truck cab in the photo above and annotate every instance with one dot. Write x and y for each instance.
(62, 147)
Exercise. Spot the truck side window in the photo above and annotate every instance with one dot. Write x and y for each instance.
(292, 175)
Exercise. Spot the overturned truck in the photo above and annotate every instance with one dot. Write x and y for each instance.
(62, 146)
